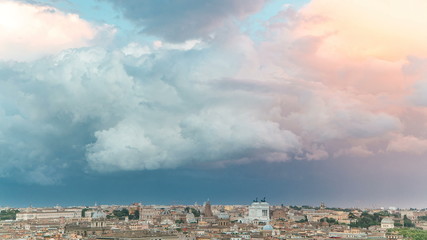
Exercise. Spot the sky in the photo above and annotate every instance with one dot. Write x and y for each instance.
(177, 102)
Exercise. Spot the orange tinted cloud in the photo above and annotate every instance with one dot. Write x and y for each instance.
(30, 31)
(349, 68)
(384, 29)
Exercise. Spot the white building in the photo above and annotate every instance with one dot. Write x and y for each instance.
(358, 235)
(48, 214)
(190, 218)
(259, 212)
(387, 223)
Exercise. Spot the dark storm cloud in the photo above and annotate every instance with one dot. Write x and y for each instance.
(181, 20)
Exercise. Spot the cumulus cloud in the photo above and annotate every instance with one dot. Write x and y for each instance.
(51, 107)
(181, 20)
(353, 76)
(388, 30)
(357, 151)
(418, 96)
(137, 50)
(111, 110)
(166, 105)
(408, 144)
(212, 135)
(30, 31)
(415, 68)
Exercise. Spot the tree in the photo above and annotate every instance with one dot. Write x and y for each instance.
(195, 212)
(303, 220)
(84, 210)
(192, 210)
(135, 215)
(307, 207)
(329, 220)
(366, 220)
(384, 213)
(121, 214)
(413, 234)
(9, 214)
(407, 222)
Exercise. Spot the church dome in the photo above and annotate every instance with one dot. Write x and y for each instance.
(267, 227)
(387, 220)
(99, 214)
(223, 215)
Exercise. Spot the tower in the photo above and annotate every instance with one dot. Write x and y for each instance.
(208, 211)
(322, 205)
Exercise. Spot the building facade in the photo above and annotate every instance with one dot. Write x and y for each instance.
(259, 211)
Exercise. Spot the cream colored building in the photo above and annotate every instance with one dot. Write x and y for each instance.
(49, 214)
(259, 211)
(387, 223)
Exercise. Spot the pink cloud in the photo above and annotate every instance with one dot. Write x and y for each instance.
(408, 144)
(346, 75)
(358, 151)
(30, 31)
(383, 29)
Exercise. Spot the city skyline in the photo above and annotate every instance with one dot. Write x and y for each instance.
(259, 220)
(302, 102)
(204, 203)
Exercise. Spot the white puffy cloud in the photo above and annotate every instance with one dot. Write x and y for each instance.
(137, 50)
(168, 105)
(111, 110)
(30, 31)
(212, 135)
(116, 110)
(408, 144)
(382, 29)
